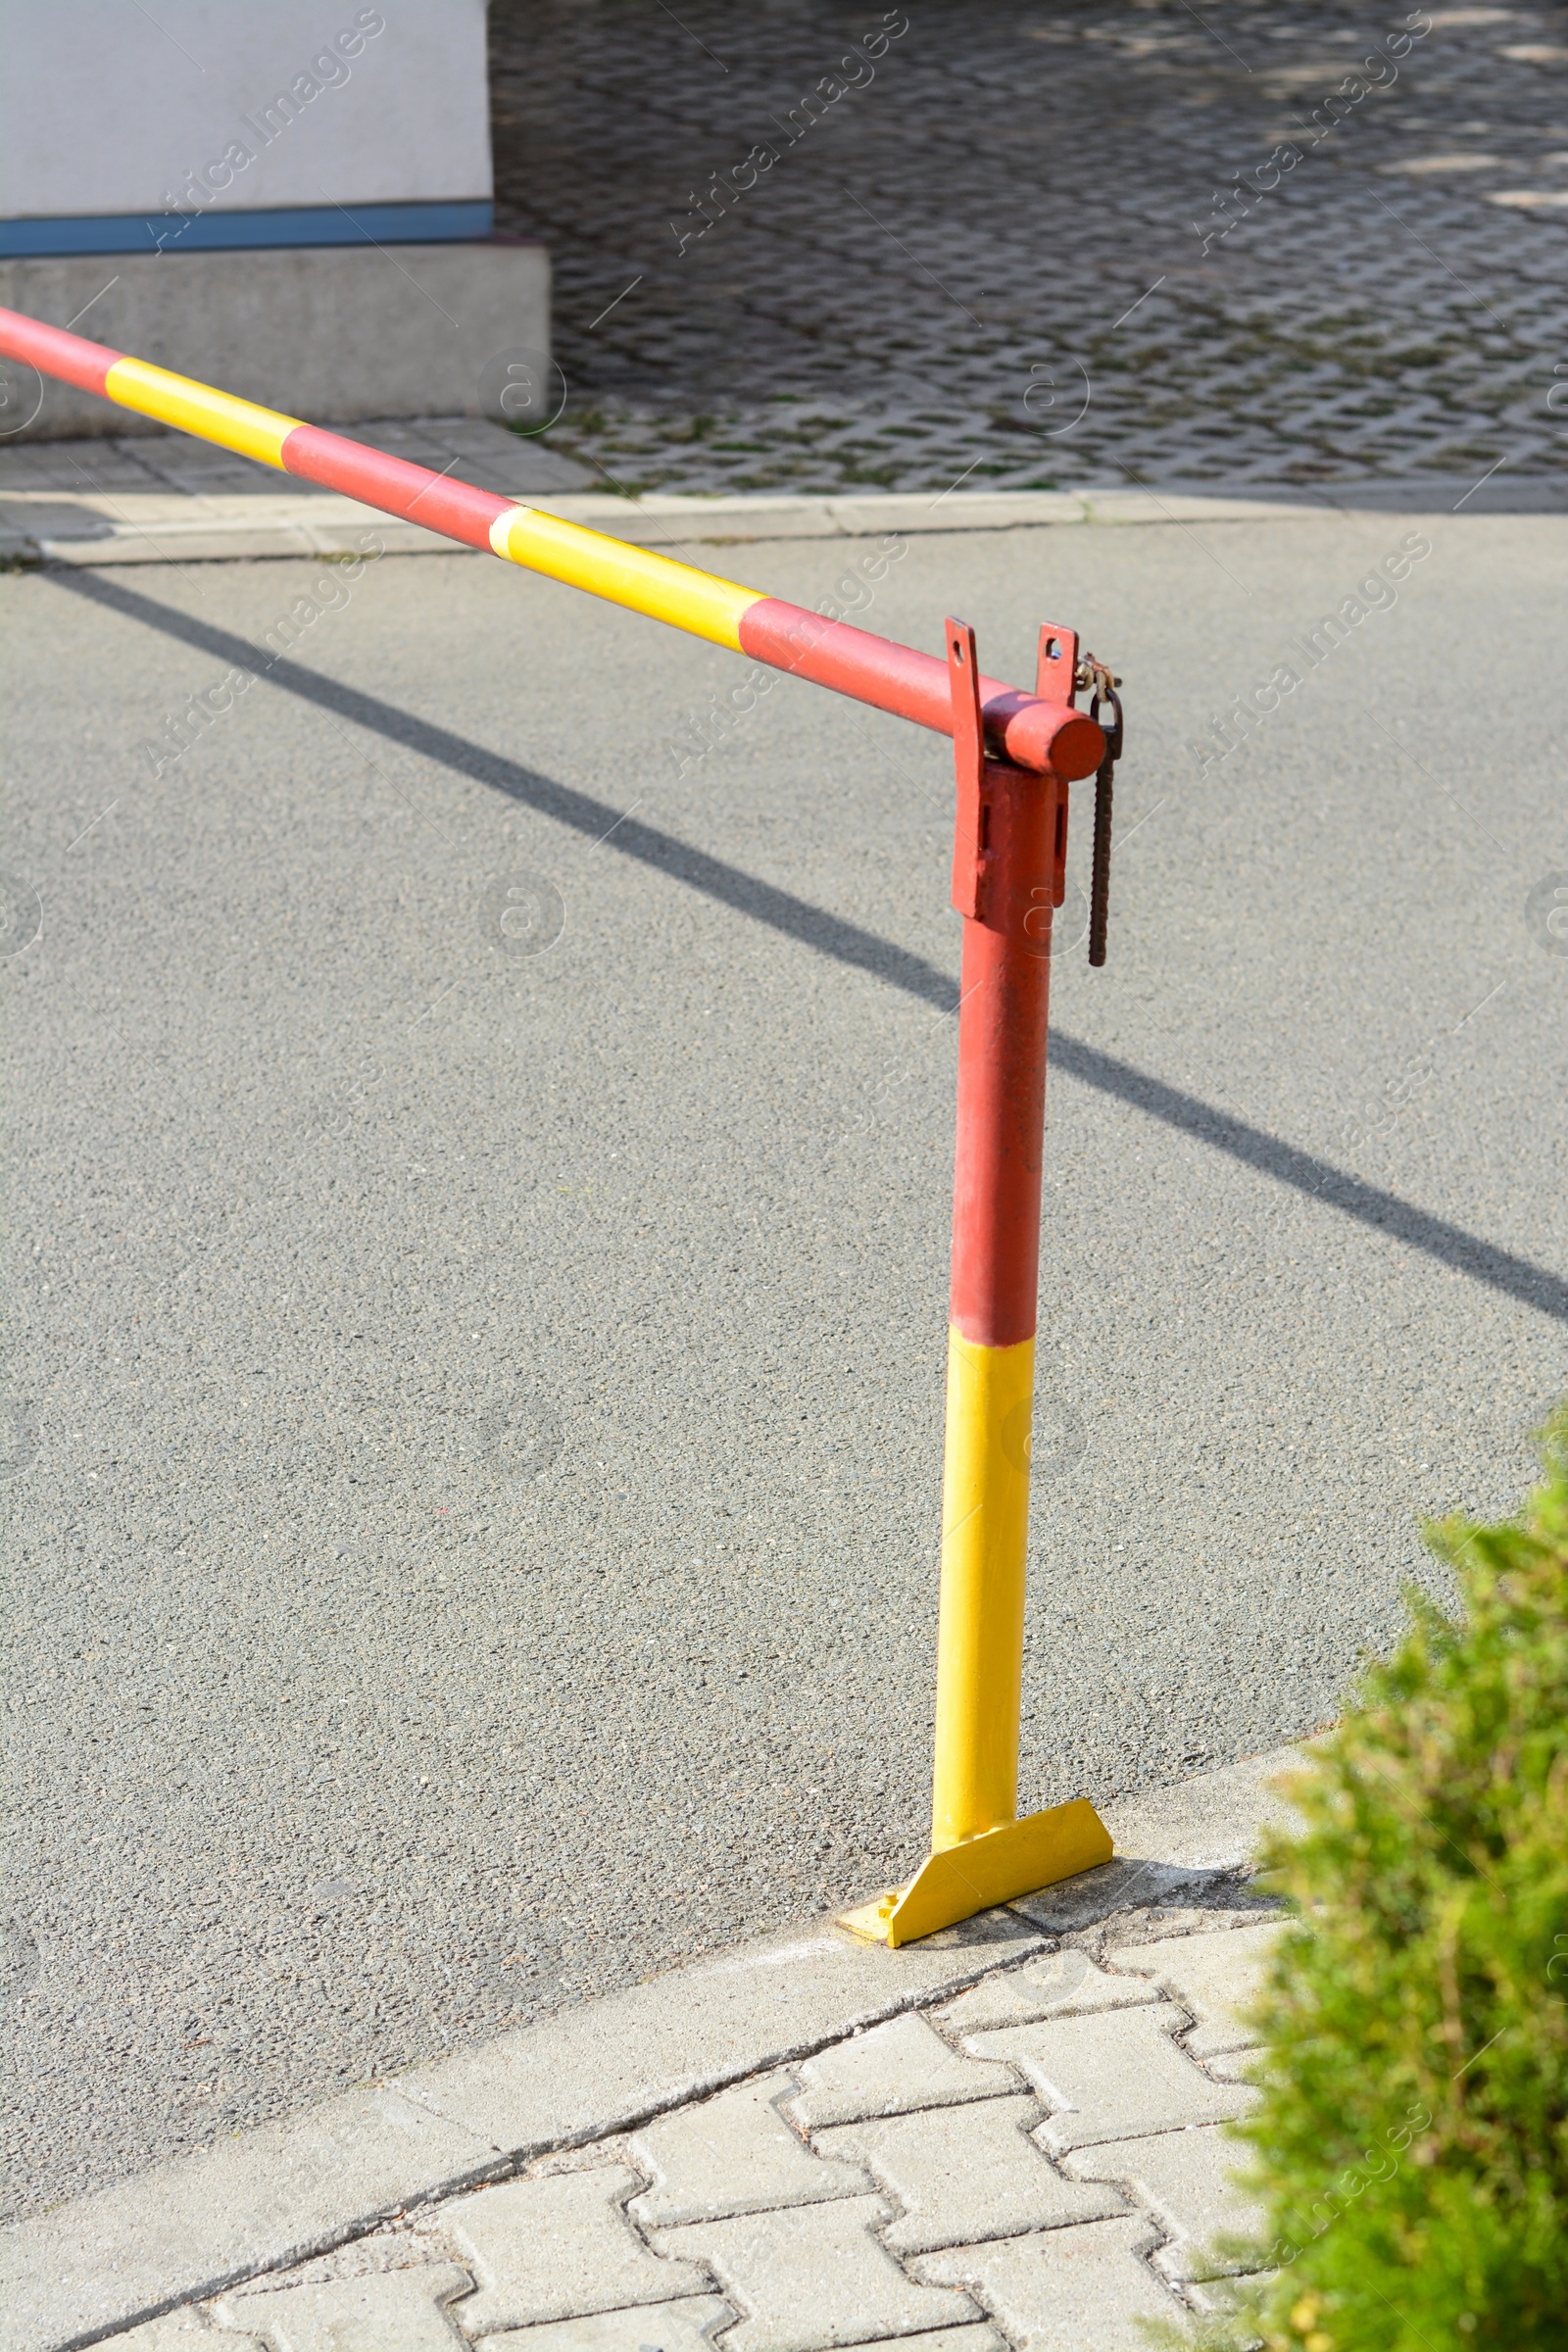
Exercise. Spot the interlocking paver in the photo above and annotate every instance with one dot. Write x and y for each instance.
(1113, 2076)
(968, 2172)
(180, 2331)
(1215, 1977)
(1220, 2298)
(814, 2275)
(976, 2339)
(692, 2328)
(556, 2248)
(1179, 1894)
(685, 2327)
(406, 2309)
(889, 2070)
(1234, 2066)
(734, 2154)
(1064, 2290)
(812, 335)
(1184, 2178)
(1064, 1983)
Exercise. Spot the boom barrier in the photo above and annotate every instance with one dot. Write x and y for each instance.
(1022, 728)
(1015, 755)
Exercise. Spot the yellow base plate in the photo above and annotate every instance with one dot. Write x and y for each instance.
(993, 1868)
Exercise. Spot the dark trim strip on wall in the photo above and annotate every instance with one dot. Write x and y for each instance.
(430, 223)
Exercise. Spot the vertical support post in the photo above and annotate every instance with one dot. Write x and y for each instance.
(1007, 841)
(1008, 866)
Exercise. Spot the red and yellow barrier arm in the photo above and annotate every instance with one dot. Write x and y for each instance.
(1029, 732)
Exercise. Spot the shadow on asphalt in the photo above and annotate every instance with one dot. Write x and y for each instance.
(847, 943)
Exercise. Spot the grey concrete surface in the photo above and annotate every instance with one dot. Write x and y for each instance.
(56, 506)
(476, 1414)
(167, 498)
(826, 2174)
(320, 2179)
(330, 333)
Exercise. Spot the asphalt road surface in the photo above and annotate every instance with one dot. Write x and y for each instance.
(474, 1449)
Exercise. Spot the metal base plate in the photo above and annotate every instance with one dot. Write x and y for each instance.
(960, 1879)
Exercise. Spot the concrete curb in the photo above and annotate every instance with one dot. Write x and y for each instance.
(37, 526)
(274, 2196)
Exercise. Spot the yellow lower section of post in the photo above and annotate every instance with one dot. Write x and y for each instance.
(995, 1867)
(981, 1854)
(985, 1533)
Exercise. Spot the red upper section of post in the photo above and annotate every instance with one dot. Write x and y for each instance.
(1002, 1066)
(1006, 844)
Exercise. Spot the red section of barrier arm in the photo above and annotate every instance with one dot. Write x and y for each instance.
(1019, 728)
(894, 677)
(457, 510)
(54, 351)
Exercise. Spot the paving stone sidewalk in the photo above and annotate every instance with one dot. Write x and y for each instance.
(1041, 2182)
(1035, 247)
(1037, 2160)
(163, 499)
(157, 498)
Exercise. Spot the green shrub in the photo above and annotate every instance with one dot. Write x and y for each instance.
(1411, 2145)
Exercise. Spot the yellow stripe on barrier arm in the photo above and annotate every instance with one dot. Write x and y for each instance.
(695, 601)
(194, 407)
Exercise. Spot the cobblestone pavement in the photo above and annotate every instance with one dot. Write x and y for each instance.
(1037, 247)
(1040, 2162)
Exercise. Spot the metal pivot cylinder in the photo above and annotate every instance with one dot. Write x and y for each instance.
(1009, 864)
